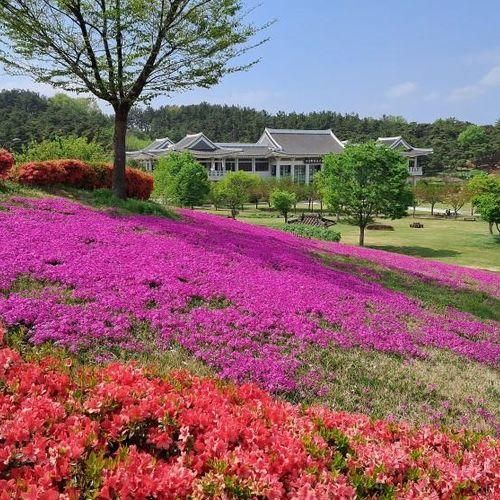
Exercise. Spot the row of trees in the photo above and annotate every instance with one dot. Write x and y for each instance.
(28, 118)
(181, 180)
(363, 182)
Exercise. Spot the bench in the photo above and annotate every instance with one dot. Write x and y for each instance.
(470, 219)
(313, 220)
(416, 225)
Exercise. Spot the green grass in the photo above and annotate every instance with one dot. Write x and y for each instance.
(453, 241)
(442, 389)
(99, 198)
(432, 294)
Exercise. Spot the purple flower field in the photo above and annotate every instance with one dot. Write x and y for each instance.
(248, 301)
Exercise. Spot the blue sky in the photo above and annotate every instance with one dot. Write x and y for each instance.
(420, 59)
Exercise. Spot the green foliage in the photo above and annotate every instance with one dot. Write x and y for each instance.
(191, 186)
(180, 179)
(312, 232)
(75, 148)
(235, 189)
(456, 195)
(101, 198)
(30, 118)
(475, 143)
(283, 201)
(136, 142)
(429, 192)
(365, 180)
(489, 208)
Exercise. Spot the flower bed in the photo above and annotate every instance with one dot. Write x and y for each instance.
(69, 432)
(78, 174)
(250, 302)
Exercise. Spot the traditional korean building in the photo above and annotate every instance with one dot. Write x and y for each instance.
(296, 154)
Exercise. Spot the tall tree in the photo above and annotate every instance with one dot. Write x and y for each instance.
(366, 180)
(124, 51)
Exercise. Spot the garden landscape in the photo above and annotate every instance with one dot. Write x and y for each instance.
(284, 315)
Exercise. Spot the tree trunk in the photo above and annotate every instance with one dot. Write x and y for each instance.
(119, 137)
(285, 215)
(414, 209)
(490, 224)
(432, 208)
(361, 236)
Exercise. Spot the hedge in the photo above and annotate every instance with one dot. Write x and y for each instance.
(78, 174)
(6, 162)
(312, 232)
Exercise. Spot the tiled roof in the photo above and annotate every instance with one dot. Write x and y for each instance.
(305, 142)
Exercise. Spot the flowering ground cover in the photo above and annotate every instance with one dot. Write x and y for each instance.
(252, 303)
(72, 431)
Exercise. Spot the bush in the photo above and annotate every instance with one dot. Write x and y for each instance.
(6, 162)
(312, 232)
(79, 148)
(105, 198)
(78, 174)
(283, 201)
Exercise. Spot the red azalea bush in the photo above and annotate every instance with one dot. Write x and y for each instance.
(81, 175)
(115, 432)
(6, 162)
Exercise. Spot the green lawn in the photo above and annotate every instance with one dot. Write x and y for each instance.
(454, 241)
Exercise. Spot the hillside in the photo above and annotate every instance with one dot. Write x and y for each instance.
(299, 318)
(146, 356)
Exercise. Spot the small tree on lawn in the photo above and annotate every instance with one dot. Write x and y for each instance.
(429, 192)
(365, 180)
(283, 201)
(191, 185)
(456, 195)
(485, 190)
(480, 184)
(235, 190)
(124, 51)
(489, 208)
(180, 179)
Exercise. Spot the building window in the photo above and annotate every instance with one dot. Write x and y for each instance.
(245, 164)
(299, 174)
(286, 170)
(230, 164)
(261, 165)
(206, 163)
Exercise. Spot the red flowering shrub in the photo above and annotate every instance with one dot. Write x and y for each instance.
(115, 432)
(79, 174)
(6, 162)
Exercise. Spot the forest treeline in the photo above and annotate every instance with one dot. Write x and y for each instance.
(28, 117)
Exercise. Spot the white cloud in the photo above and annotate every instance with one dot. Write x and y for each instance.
(489, 80)
(466, 93)
(402, 89)
(492, 78)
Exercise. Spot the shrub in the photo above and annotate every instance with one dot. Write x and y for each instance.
(79, 148)
(120, 432)
(106, 198)
(78, 174)
(6, 162)
(283, 201)
(312, 232)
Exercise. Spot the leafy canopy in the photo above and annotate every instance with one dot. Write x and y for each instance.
(235, 189)
(75, 148)
(124, 51)
(365, 180)
(180, 179)
(283, 201)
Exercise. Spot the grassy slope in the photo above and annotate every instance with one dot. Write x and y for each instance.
(453, 241)
(441, 389)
